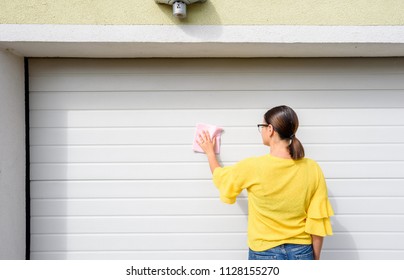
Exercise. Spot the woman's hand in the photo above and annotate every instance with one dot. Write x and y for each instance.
(206, 143)
(208, 146)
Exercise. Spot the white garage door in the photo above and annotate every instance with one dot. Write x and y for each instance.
(113, 174)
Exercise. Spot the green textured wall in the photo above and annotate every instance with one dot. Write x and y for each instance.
(213, 12)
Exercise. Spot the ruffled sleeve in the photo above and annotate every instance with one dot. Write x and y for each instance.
(231, 180)
(319, 210)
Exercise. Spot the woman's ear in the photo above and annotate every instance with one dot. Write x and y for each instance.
(270, 130)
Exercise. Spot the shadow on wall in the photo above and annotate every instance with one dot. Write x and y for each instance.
(341, 245)
(198, 14)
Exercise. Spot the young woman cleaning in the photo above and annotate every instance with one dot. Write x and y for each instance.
(288, 207)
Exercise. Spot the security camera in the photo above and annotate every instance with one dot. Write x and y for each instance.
(179, 6)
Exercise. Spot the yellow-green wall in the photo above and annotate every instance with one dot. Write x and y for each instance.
(213, 12)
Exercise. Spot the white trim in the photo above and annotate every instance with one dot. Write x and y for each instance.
(201, 41)
(200, 34)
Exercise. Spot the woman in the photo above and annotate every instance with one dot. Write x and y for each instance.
(288, 207)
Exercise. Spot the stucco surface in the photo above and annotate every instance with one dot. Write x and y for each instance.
(213, 12)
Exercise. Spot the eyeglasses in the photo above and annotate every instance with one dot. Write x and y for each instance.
(260, 126)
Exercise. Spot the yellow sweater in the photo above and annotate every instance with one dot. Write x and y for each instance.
(287, 199)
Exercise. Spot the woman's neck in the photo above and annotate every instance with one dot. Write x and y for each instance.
(280, 150)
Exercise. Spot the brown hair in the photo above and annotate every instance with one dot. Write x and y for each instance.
(284, 121)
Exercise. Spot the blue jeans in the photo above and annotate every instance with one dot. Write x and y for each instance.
(284, 252)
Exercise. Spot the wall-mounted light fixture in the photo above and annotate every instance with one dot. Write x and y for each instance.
(179, 6)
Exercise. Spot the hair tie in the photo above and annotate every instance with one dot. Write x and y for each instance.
(292, 136)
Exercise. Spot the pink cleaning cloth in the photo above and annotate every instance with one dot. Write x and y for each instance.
(213, 130)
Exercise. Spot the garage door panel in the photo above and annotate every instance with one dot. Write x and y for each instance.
(356, 65)
(213, 241)
(204, 242)
(126, 189)
(140, 207)
(136, 153)
(200, 224)
(231, 135)
(182, 99)
(138, 171)
(184, 153)
(211, 81)
(175, 224)
(143, 118)
(186, 171)
(368, 223)
(360, 241)
(217, 65)
(365, 187)
(121, 136)
(196, 188)
(355, 152)
(225, 118)
(363, 170)
(207, 206)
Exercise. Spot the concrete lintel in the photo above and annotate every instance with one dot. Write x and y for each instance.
(202, 41)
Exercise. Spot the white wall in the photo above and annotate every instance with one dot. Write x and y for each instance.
(12, 157)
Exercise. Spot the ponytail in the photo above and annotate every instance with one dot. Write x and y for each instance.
(296, 149)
